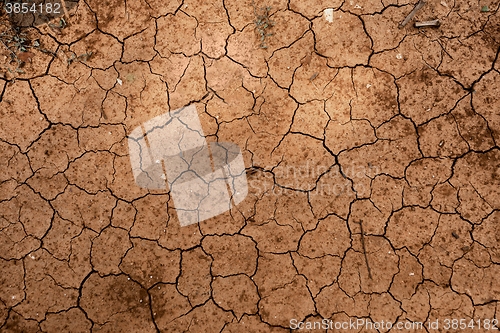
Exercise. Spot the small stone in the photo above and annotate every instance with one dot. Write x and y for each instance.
(328, 13)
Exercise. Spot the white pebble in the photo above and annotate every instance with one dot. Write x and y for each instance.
(328, 13)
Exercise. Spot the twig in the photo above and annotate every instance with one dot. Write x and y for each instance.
(408, 18)
(423, 24)
(364, 249)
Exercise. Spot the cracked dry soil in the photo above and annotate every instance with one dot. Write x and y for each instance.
(373, 158)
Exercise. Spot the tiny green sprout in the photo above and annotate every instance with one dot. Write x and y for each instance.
(485, 9)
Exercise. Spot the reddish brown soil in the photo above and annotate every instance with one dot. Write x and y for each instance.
(376, 149)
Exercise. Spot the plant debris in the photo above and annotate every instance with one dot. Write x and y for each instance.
(84, 57)
(263, 23)
(414, 11)
(423, 24)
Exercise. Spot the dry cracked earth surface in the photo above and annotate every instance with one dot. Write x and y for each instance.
(371, 153)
